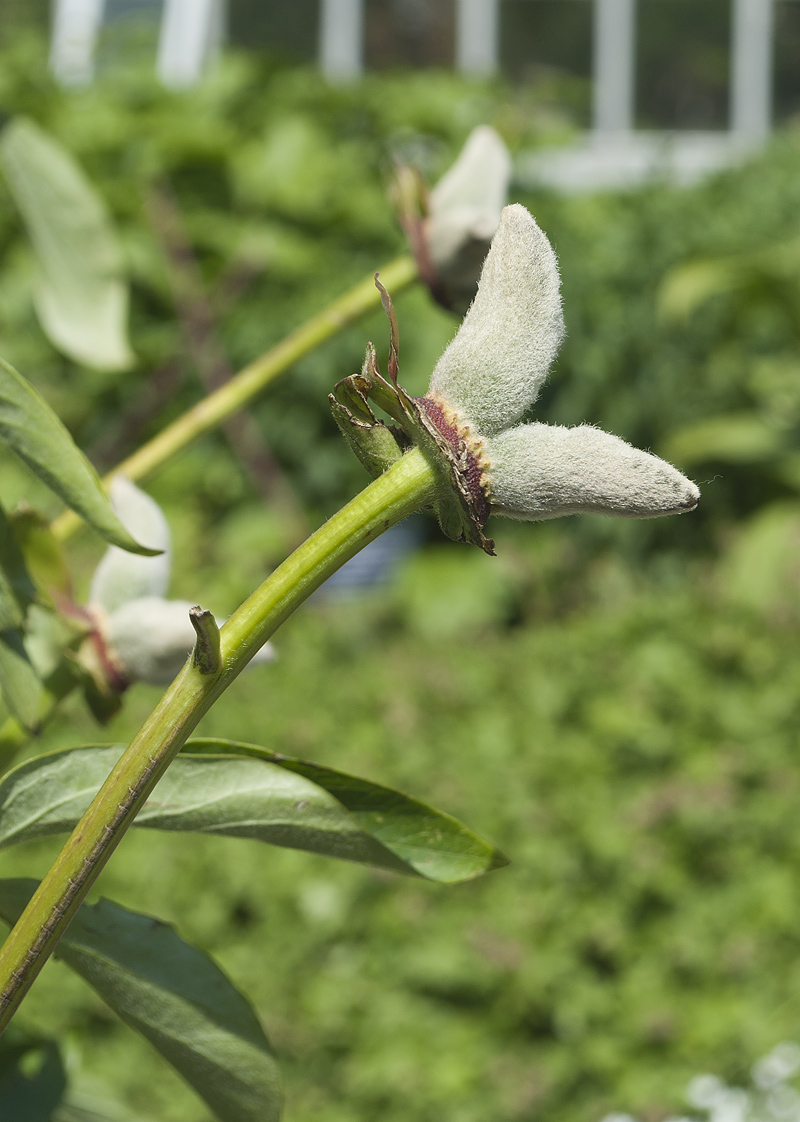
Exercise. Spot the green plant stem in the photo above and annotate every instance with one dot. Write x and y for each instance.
(209, 413)
(410, 484)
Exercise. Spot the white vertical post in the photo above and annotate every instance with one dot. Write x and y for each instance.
(751, 68)
(613, 65)
(76, 24)
(341, 39)
(190, 32)
(477, 36)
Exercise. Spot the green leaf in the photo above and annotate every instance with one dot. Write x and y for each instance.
(42, 551)
(32, 430)
(239, 790)
(739, 438)
(173, 994)
(431, 843)
(19, 681)
(16, 588)
(80, 296)
(687, 287)
(32, 1077)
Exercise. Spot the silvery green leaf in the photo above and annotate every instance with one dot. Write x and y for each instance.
(241, 790)
(122, 576)
(33, 431)
(80, 296)
(545, 471)
(492, 371)
(175, 996)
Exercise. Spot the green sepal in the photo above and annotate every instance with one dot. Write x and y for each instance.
(376, 444)
(456, 509)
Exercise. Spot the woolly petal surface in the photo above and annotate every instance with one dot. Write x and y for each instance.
(151, 639)
(491, 372)
(545, 471)
(123, 576)
(467, 201)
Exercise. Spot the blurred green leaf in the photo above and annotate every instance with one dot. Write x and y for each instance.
(32, 430)
(761, 570)
(173, 994)
(16, 587)
(687, 287)
(737, 438)
(240, 790)
(81, 298)
(19, 681)
(32, 1077)
(41, 550)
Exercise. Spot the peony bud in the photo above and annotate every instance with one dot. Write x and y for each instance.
(145, 637)
(545, 471)
(492, 371)
(464, 212)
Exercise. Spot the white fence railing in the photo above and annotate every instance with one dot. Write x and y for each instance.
(191, 31)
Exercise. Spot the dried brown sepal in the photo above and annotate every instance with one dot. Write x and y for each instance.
(394, 331)
(410, 196)
(377, 445)
(462, 507)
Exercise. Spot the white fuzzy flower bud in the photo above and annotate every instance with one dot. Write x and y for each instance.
(151, 638)
(464, 212)
(492, 371)
(148, 637)
(545, 471)
(123, 576)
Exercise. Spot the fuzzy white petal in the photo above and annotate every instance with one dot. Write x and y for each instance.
(466, 203)
(545, 471)
(123, 576)
(491, 372)
(151, 638)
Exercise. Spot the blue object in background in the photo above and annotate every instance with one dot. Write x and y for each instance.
(377, 563)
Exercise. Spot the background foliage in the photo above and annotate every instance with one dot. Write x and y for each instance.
(612, 704)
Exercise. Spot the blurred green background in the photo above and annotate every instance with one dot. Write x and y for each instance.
(611, 703)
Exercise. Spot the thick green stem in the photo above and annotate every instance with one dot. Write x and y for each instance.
(218, 406)
(409, 485)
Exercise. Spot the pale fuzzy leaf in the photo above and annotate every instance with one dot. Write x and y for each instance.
(31, 429)
(176, 997)
(251, 792)
(493, 369)
(81, 298)
(545, 471)
(19, 681)
(122, 576)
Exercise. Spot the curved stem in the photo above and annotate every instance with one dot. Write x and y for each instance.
(409, 485)
(209, 413)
